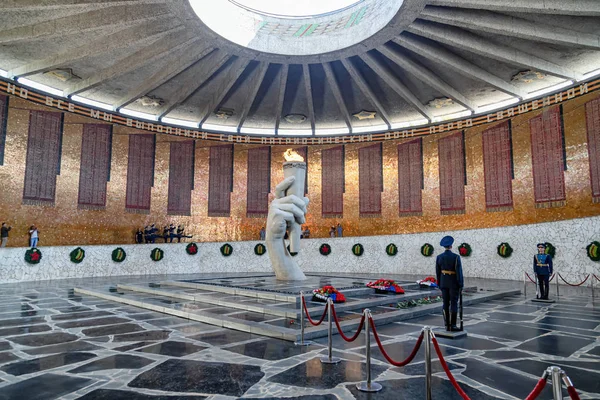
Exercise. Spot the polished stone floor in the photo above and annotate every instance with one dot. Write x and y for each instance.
(55, 344)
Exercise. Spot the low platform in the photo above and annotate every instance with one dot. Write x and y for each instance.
(543, 300)
(264, 306)
(441, 332)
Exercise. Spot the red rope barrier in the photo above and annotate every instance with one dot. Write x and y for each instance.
(570, 284)
(572, 392)
(313, 323)
(537, 389)
(447, 370)
(532, 281)
(337, 323)
(598, 279)
(387, 357)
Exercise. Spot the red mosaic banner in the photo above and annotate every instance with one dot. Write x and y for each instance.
(96, 143)
(497, 167)
(332, 182)
(592, 113)
(370, 176)
(43, 157)
(140, 172)
(410, 177)
(547, 153)
(220, 181)
(181, 177)
(259, 182)
(451, 152)
(3, 123)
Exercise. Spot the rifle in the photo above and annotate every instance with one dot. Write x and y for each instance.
(460, 309)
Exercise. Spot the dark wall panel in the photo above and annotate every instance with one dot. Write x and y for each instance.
(370, 176)
(94, 172)
(332, 182)
(140, 173)
(547, 148)
(181, 177)
(3, 123)
(497, 167)
(259, 182)
(451, 150)
(592, 113)
(43, 157)
(220, 181)
(410, 178)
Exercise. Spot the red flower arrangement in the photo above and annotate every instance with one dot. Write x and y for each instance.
(386, 285)
(326, 292)
(428, 281)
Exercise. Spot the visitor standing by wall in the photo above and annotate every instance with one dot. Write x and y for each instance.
(332, 231)
(262, 233)
(4, 234)
(339, 230)
(448, 270)
(33, 236)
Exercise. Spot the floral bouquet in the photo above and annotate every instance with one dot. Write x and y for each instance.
(386, 285)
(428, 282)
(326, 292)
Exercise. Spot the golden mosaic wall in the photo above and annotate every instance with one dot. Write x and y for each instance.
(64, 224)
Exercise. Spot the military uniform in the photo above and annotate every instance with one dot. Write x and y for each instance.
(448, 269)
(542, 267)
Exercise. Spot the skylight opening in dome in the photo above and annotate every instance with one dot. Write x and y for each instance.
(294, 8)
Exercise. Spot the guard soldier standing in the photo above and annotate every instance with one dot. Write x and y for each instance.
(542, 267)
(448, 269)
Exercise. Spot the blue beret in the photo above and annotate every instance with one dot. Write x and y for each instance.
(447, 241)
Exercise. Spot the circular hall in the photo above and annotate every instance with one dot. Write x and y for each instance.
(301, 200)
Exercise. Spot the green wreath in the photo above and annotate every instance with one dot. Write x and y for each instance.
(118, 255)
(191, 249)
(33, 255)
(157, 254)
(260, 249)
(550, 249)
(593, 251)
(325, 249)
(464, 250)
(391, 249)
(77, 255)
(226, 250)
(504, 250)
(358, 249)
(427, 250)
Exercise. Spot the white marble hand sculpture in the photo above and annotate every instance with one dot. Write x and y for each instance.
(285, 211)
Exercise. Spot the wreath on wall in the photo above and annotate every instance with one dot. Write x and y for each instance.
(391, 249)
(191, 249)
(77, 255)
(157, 254)
(33, 256)
(226, 250)
(504, 250)
(550, 249)
(464, 250)
(260, 249)
(325, 249)
(118, 255)
(593, 251)
(427, 250)
(358, 249)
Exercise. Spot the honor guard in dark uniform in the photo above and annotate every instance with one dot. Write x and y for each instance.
(542, 267)
(448, 269)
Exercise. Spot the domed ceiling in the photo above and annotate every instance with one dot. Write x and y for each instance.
(300, 67)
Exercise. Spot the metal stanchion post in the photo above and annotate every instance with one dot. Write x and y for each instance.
(302, 342)
(427, 333)
(368, 386)
(556, 373)
(525, 284)
(557, 285)
(330, 359)
(592, 283)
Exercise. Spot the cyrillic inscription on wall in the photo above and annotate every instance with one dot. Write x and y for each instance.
(547, 155)
(94, 173)
(332, 182)
(451, 152)
(370, 176)
(181, 177)
(43, 157)
(259, 182)
(140, 173)
(410, 178)
(220, 181)
(497, 167)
